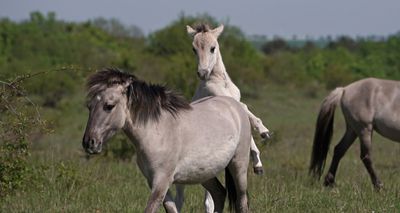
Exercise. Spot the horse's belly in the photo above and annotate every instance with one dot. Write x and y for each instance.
(200, 166)
(198, 173)
(389, 128)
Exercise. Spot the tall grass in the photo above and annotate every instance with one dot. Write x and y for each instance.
(68, 181)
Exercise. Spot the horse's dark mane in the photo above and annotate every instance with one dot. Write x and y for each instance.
(202, 28)
(147, 101)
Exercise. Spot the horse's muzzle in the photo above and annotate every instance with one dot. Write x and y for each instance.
(91, 146)
(203, 74)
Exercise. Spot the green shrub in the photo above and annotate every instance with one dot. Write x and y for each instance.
(19, 119)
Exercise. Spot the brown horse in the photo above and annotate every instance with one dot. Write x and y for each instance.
(367, 105)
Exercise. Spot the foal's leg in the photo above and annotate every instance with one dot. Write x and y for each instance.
(256, 123)
(365, 142)
(217, 193)
(254, 151)
(255, 158)
(347, 140)
(169, 204)
(208, 202)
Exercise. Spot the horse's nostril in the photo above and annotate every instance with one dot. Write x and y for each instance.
(91, 142)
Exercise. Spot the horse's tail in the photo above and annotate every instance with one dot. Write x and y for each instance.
(230, 187)
(323, 132)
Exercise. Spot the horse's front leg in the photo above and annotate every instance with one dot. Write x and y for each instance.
(257, 124)
(159, 188)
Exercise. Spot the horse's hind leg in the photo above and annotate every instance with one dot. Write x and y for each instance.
(255, 158)
(217, 192)
(254, 151)
(240, 180)
(238, 170)
(340, 149)
(365, 143)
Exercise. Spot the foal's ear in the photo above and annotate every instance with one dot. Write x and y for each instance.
(190, 31)
(217, 31)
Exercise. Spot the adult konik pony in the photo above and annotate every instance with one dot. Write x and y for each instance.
(176, 142)
(367, 105)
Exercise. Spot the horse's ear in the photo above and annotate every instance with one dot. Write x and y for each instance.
(190, 31)
(129, 91)
(217, 31)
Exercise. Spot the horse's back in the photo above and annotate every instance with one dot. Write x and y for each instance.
(371, 94)
(374, 102)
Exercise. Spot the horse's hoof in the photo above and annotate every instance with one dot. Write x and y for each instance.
(329, 180)
(378, 186)
(265, 135)
(258, 170)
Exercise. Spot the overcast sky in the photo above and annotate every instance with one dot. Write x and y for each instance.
(263, 17)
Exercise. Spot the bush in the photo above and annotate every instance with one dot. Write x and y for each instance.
(19, 119)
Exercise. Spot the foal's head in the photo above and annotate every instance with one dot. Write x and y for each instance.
(206, 48)
(108, 104)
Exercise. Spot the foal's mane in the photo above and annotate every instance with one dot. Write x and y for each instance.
(146, 101)
(202, 28)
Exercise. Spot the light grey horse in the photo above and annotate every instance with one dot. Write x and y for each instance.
(215, 81)
(176, 142)
(367, 105)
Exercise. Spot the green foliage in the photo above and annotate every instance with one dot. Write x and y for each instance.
(19, 120)
(338, 63)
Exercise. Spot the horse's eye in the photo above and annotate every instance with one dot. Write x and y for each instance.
(194, 50)
(108, 107)
(212, 49)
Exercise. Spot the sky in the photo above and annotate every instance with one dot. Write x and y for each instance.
(312, 18)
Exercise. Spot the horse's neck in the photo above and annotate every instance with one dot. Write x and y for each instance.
(219, 72)
(141, 134)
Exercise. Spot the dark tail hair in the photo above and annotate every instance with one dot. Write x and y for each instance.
(231, 189)
(323, 132)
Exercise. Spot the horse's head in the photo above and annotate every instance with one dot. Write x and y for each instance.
(206, 48)
(108, 108)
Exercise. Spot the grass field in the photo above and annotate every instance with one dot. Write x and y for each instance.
(69, 182)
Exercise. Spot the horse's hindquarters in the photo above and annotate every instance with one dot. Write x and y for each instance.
(213, 133)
